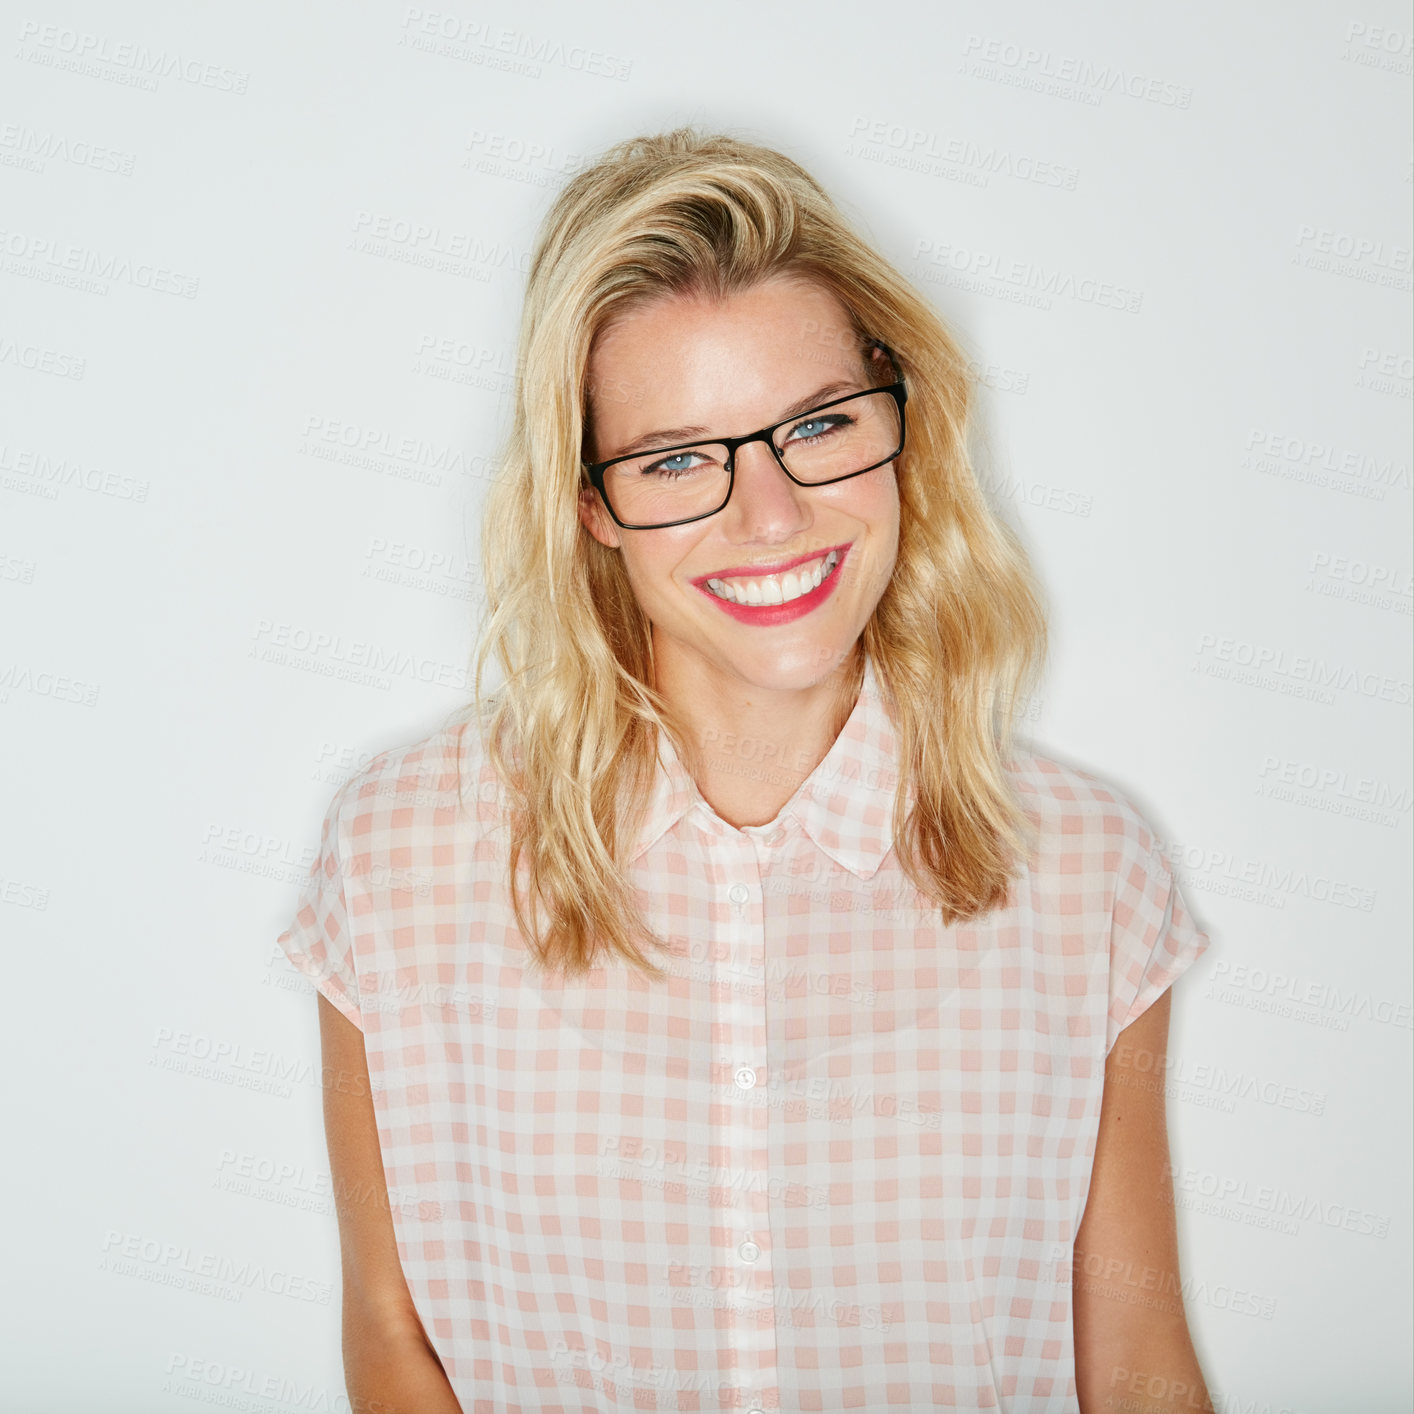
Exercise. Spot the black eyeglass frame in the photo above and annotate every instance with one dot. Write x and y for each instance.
(898, 388)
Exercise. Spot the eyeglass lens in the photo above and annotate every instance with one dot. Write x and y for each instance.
(658, 487)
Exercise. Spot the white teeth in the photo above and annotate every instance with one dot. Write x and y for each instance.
(774, 589)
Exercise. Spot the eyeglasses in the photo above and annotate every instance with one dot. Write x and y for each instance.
(839, 439)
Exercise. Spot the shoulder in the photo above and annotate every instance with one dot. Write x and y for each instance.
(1076, 809)
(406, 791)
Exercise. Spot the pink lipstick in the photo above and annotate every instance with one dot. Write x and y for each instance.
(769, 615)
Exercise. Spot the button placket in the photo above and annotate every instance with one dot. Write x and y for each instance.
(741, 990)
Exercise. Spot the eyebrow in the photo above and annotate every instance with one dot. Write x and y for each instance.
(671, 436)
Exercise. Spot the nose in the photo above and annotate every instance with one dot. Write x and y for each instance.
(763, 497)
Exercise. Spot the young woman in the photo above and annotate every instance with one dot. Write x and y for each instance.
(732, 1017)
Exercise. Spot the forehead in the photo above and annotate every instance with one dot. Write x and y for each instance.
(693, 359)
(785, 310)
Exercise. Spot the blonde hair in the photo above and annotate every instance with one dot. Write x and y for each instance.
(956, 639)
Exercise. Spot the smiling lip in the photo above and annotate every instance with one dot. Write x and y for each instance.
(768, 615)
(758, 571)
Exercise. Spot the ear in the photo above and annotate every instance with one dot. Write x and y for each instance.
(596, 520)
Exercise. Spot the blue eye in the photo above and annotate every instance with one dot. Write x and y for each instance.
(822, 424)
(670, 468)
(666, 467)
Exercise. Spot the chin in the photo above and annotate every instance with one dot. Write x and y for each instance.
(796, 667)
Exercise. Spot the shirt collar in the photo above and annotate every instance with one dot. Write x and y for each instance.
(845, 805)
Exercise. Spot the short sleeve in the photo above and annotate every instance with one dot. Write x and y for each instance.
(1153, 938)
(319, 942)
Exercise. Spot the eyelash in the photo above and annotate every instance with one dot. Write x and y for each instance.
(832, 420)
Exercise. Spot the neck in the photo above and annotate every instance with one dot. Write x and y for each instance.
(749, 747)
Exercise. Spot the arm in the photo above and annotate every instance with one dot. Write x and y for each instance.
(1132, 1348)
(389, 1365)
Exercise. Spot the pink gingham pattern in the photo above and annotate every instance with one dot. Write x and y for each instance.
(836, 1162)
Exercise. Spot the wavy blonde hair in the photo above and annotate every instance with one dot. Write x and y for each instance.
(956, 639)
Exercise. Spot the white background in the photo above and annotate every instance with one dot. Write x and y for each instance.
(247, 457)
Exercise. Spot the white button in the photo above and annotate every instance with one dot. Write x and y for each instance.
(748, 1251)
(755, 1411)
(745, 1077)
(739, 893)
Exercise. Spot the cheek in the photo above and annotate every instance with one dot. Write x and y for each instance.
(882, 516)
(650, 562)
(871, 496)
(888, 516)
(874, 503)
(889, 493)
